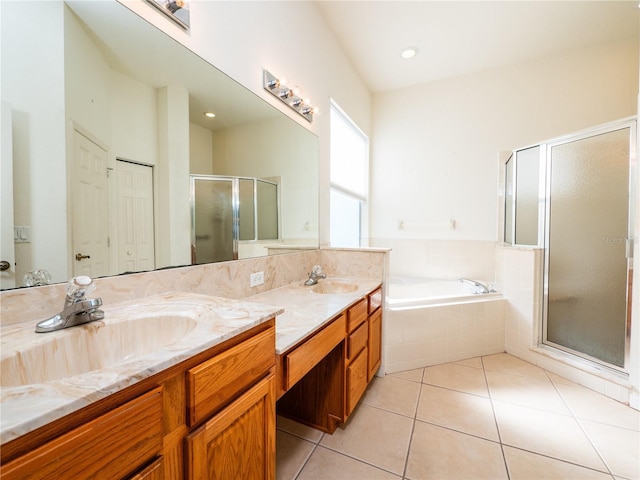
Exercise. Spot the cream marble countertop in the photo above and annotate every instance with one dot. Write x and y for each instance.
(210, 321)
(306, 311)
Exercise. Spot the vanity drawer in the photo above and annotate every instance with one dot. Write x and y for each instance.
(356, 315)
(357, 341)
(111, 446)
(215, 382)
(302, 359)
(375, 300)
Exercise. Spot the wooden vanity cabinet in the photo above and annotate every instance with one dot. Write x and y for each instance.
(374, 311)
(113, 445)
(356, 366)
(340, 361)
(211, 416)
(239, 442)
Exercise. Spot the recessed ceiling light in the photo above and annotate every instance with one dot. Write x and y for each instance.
(209, 114)
(409, 52)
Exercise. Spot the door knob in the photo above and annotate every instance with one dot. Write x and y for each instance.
(4, 265)
(79, 256)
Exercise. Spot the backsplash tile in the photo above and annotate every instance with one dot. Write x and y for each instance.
(224, 279)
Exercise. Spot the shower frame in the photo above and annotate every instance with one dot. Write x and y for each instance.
(544, 187)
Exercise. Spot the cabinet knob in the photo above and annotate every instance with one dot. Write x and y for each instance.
(4, 265)
(79, 257)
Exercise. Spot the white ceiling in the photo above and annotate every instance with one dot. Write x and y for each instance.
(459, 37)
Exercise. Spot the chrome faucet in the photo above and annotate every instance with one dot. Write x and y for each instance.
(315, 275)
(477, 286)
(77, 308)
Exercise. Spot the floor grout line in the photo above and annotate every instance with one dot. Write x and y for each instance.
(606, 470)
(577, 420)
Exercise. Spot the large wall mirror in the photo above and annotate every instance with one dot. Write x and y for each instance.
(103, 125)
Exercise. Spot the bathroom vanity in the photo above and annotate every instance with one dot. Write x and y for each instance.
(321, 379)
(202, 404)
(329, 347)
(180, 409)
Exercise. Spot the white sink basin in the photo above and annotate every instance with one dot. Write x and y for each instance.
(334, 286)
(91, 347)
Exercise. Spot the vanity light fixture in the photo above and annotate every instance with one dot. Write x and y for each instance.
(290, 96)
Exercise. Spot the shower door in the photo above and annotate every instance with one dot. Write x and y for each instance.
(214, 220)
(587, 252)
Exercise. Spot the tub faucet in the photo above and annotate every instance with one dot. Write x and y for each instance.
(315, 275)
(77, 308)
(477, 286)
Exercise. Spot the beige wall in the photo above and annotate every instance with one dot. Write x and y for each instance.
(435, 148)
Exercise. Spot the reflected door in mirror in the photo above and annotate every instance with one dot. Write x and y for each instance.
(89, 208)
(212, 221)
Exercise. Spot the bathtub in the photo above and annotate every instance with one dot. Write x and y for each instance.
(407, 292)
(431, 321)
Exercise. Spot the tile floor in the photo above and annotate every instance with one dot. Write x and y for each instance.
(493, 417)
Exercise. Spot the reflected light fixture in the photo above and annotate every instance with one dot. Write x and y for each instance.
(409, 52)
(290, 96)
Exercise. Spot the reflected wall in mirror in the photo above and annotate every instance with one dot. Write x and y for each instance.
(90, 87)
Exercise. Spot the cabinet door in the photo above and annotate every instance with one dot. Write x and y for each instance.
(239, 442)
(153, 471)
(375, 343)
(356, 380)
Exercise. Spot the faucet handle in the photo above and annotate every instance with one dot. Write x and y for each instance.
(79, 287)
(316, 270)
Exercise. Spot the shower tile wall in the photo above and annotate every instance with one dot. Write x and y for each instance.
(444, 259)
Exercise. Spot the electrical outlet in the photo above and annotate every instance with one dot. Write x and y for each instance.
(257, 279)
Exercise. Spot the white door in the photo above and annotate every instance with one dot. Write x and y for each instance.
(7, 252)
(90, 237)
(136, 246)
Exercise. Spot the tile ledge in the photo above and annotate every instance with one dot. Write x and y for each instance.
(621, 379)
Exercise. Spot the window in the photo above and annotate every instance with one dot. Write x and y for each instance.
(349, 177)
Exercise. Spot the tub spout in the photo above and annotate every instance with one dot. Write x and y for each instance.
(478, 287)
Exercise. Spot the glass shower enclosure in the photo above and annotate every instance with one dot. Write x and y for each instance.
(226, 211)
(574, 197)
